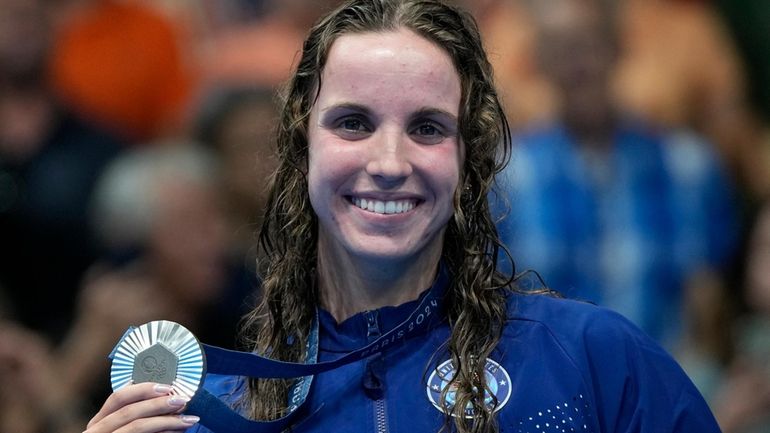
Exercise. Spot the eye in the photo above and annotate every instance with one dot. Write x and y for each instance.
(427, 129)
(428, 132)
(352, 124)
(352, 128)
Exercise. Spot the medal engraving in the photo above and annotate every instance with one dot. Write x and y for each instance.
(156, 364)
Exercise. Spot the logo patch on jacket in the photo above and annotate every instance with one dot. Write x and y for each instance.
(498, 384)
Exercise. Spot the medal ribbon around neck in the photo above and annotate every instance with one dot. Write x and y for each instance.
(166, 352)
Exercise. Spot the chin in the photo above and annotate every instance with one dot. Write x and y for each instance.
(389, 249)
(394, 254)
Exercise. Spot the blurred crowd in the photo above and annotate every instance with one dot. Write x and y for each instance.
(135, 152)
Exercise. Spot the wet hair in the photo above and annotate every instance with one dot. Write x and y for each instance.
(475, 301)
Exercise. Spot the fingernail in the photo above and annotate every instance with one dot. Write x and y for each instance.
(162, 388)
(189, 419)
(177, 400)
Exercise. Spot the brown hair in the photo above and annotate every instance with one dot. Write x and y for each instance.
(475, 301)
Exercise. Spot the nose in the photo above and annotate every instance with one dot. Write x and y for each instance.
(389, 159)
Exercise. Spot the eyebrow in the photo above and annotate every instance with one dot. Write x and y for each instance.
(431, 111)
(348, 106)
(421, 112)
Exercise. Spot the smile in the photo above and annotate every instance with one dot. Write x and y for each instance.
(384, 207)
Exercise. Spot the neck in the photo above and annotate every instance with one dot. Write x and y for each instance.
(349, 285)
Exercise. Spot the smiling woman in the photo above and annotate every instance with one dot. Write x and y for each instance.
(382, 137)
(379, 273)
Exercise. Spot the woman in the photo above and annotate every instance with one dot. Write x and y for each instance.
(390, 138)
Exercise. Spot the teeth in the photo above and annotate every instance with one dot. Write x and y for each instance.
(384, 207)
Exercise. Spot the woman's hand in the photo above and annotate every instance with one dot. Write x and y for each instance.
(142, 408)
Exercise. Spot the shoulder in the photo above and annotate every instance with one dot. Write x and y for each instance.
(568, 318)
(623, 372)
(585, 332)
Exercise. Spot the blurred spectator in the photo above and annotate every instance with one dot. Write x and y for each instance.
(32, 396)
(680, 67)
(509, 37)
(706, 346)
(239, 124)
(159, 213)
(748, 21)
(208, 17)
(677, 67)
(607, 208)
(742, 405)
(49, 162)
(120, 63)
(261, 52)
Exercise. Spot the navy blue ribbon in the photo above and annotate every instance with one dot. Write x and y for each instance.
(220, 418)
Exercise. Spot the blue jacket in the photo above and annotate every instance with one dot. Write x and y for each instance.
(561, 366)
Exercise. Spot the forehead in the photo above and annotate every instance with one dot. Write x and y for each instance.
(374, 64)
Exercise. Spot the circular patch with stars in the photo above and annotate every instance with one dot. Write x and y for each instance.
(498, 387)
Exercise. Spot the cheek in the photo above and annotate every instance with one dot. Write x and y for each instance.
(446, 167)
(329, 167)
(330, 157)
(317, 168)
(450, 179)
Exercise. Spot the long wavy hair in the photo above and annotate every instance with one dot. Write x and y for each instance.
(475, 302)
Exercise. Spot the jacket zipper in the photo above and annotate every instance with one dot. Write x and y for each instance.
(379, 416)
(380, 413)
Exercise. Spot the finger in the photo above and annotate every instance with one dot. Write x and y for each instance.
(146, 416)
(157, 424)
(129, 395)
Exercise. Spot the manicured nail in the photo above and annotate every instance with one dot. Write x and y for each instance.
(177, 400)
(161, 388)
(189, 419)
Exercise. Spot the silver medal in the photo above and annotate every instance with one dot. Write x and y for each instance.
(160, 351)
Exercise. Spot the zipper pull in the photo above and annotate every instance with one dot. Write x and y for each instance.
(373, 380)
(372, 325)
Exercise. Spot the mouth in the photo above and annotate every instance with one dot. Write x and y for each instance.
(383, 207)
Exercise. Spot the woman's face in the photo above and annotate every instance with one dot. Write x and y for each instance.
(384, 152)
